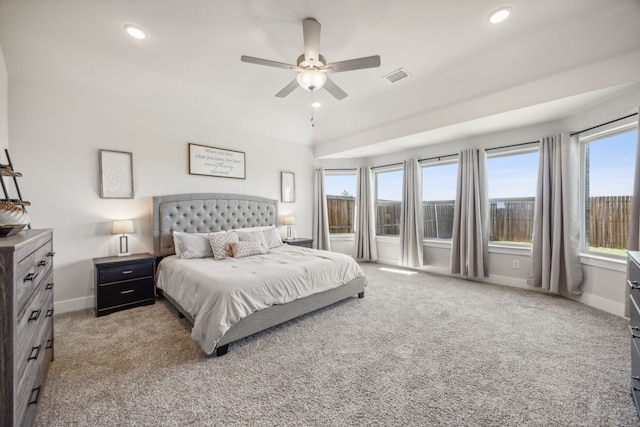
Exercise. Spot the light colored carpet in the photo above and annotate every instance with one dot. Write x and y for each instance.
(417, 350)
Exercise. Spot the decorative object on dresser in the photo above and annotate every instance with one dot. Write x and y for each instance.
(289, 221)
(26, 323)
(123, 283)
(13, 212)
(123, 227)
(299, 241)
(633, 264)
(116, 174)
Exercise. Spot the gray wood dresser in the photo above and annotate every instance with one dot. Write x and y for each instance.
(633, 262)
(26, 323)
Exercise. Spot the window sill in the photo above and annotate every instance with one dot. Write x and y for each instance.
(615, 264)
(342, 237)
(510, 249)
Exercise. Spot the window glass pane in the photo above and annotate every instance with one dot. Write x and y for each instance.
(609, 174)
(438, 199)
(388, 198)
(512, 181)
(341, 200)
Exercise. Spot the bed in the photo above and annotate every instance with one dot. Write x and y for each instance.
(196, 287)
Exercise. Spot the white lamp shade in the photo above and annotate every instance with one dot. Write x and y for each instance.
(123, 226)
(311, 79)
(288, 220)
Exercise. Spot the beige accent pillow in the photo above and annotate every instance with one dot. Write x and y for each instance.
(218, 240)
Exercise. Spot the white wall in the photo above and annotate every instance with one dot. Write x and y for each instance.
(4, 100)
(604, 278)
(55, 137)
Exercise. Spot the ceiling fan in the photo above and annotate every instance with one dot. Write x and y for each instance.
(313, 67)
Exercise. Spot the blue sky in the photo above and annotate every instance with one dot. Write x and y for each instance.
(612, 162)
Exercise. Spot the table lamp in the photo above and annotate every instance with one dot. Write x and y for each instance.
(288, 221)
(123, 227)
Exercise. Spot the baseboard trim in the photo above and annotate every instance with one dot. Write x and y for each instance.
(76, 304)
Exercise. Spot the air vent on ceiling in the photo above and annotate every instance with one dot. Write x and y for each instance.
(396, 75)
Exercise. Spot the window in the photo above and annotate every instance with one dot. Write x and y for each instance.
(512, 181)
(608, 162)
(439, 181)
(340, 188)
(388, 198)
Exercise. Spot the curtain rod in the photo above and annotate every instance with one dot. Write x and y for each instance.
(343, 169)
(387, 166)
(437, 157)
(604, 124)
(512, 145)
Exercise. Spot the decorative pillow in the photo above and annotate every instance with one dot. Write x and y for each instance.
(253, 236)
(219, 239)
(272, 237)
(192, 245)
(243, 249)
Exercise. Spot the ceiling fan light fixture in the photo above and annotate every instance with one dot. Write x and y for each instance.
(135, 32)
(498, 16)
(311, 79)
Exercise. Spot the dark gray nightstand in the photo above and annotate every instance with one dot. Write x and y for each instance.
(124, 282)
(299, 241)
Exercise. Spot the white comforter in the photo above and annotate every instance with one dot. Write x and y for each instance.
(218, 294)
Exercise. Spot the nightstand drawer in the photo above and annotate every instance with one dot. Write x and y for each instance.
(128, 271)
(125, 293)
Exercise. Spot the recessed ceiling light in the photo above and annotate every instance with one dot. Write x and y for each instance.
(316, 105)
(135, 32)
(499, 15)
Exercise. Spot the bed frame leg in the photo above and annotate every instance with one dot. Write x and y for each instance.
(221, 351)
(361, 294)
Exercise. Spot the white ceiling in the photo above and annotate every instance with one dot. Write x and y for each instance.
(551, 58)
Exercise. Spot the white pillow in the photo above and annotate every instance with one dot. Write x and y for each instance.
(272, 237)
(192, 245)
(260, 228)
(253, 236)
(218, 240)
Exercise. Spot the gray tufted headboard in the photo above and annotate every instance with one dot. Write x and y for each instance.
(206, 213)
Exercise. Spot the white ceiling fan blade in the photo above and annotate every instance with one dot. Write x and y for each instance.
(311, 34)
(334, 89)
(354, 64)
(288, 89)
(267, 62)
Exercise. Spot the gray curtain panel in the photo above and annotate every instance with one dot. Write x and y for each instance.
(365, 248)
(320, 216)
(411, 216)
(555, 246)
(470, 239)
(634, 222)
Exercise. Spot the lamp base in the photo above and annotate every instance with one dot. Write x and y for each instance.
(124, 254)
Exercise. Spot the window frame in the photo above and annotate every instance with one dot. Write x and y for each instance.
(376, 171)
(344, 172)
(433, 162)
(608, 130)
(512, 150)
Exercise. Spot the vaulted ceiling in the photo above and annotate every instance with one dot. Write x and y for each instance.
(548, 60)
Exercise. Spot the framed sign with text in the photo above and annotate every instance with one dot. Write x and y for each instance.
(213, 161)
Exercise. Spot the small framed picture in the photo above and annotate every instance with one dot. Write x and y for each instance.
(116, 174)
(288, 187)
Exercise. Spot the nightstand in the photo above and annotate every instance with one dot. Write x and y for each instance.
(299, 241)
(124, 282)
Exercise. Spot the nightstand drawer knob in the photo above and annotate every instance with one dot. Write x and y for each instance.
(127, 272)
(50, 254)
(43, 263)
(633, 284)
(128, 291)
(49, 286)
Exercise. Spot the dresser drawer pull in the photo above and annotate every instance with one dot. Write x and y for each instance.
(633, 284)
(34, 353)
(49, 313)
(49, 286)
(34, 315)
(129, 291)
(35, 393)
(43, 263)
(50, 254)
(127, 272)
(30, 277)
(636, 378)
(634, 336)
(49, 344)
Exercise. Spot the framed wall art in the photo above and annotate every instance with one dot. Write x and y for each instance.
(220, 162)
(288, 187)
(116, 174)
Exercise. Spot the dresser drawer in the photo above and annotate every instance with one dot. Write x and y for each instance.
(125, 293)
(128, 271)
(30, 271)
